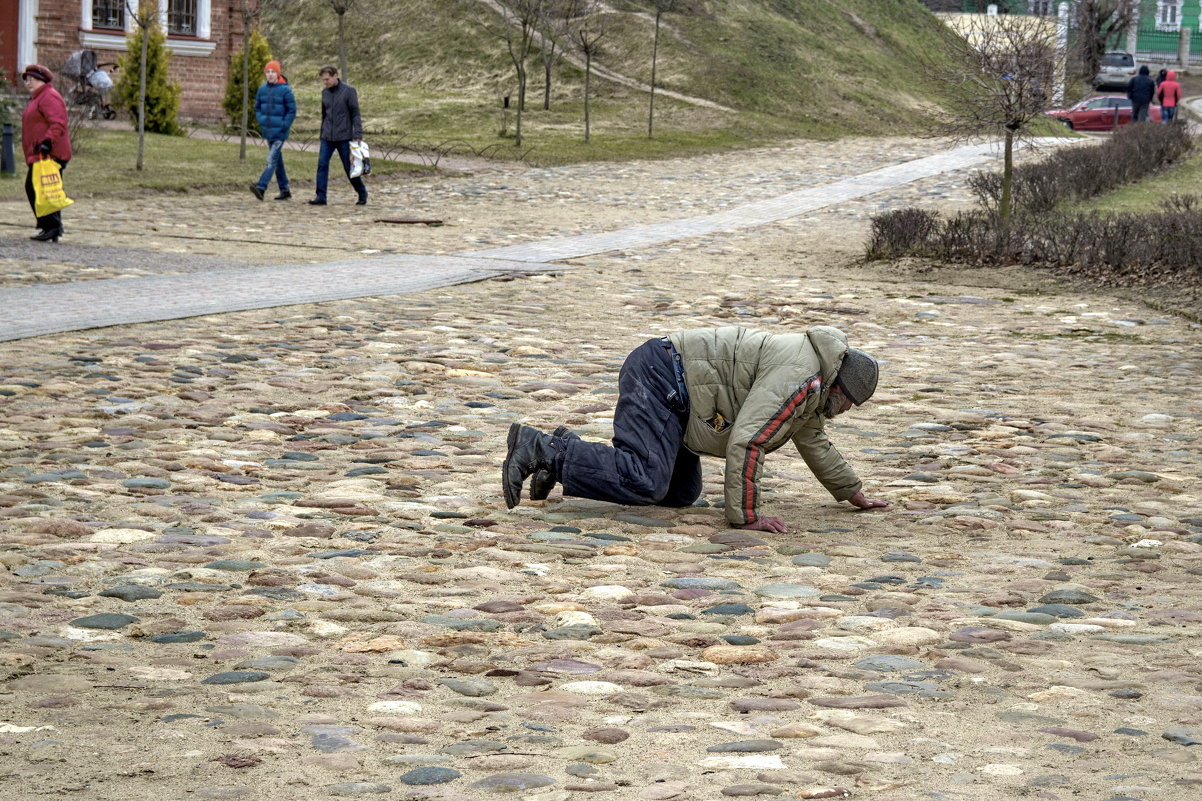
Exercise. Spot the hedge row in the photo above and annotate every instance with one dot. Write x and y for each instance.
(1081, 172)
(1113, 248)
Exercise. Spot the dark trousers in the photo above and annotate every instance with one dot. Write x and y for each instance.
(648, 462)
(343, 148)
(50, 221)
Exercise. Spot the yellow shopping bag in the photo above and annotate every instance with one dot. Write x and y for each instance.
(49, 196)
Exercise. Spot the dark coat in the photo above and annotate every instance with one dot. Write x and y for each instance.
(275, 109)
(340, 113)
(1141, 89)
(45, 118)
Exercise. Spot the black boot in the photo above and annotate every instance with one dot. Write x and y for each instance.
(48, 235)
(543, 481)
(530, 450)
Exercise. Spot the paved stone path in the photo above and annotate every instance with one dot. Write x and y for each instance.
(51, 308)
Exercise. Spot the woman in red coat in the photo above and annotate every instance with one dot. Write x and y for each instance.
(44, 134)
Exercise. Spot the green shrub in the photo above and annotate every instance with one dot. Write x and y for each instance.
(260, 54)
(162, 96)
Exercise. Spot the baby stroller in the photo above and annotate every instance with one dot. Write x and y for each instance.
(92, 84)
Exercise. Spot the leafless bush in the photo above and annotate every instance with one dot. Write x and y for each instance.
(1081, 172)
(1186, 202)
(903, 232)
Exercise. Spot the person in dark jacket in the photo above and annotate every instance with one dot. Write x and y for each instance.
(275, 109)
(732, 392)
(1140, 91)
(44, 135)
(1169, 97)
(340, 125)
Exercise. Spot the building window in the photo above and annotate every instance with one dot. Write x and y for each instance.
(181, 17)
(1041, 8)
(108, 14)
(1168, 15)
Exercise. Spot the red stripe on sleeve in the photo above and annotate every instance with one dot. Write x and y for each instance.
(755, 448)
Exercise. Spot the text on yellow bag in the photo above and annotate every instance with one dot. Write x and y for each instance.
(49, 196)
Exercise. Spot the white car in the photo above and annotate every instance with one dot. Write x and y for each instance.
(1117, 70)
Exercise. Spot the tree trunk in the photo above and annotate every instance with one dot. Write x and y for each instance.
(588, 69)
(654, 54)
(142, 98)
(1003, 211)
(245, 90)
(517, 140)
(546, 85)
(342, 45)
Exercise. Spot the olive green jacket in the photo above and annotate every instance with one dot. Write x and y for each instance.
(749, 393)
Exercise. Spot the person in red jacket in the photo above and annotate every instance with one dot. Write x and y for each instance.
(1169, 95)
(44, 135)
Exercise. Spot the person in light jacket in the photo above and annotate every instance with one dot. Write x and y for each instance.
(340, 125)
(731, 392)
(44, 134)
(275, 109)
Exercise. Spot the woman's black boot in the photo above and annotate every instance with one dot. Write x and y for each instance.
(48, 234)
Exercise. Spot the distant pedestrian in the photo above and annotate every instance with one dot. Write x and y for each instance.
(1161, 76)
(275, 109)
(1169, 96)
(1140, 91)
(44, 136)
(340, 125)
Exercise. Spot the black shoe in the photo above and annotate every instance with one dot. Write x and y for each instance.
(361, 201)
(285, 195)
(48, 235)
(530, 450)
(316, 202)
(544, 480)
(256, 191)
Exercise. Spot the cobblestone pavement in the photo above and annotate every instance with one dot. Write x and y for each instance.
(50, 308)
(263, 554)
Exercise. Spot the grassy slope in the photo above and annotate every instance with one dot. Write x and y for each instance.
(815, 68)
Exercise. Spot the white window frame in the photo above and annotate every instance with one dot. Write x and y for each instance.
(200, 46)
(27, 30)
(1163, 7)
(1041, 8)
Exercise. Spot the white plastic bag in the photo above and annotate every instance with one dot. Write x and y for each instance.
(360, 159)
(101, 80)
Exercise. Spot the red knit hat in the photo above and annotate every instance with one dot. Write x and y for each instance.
(272, 65)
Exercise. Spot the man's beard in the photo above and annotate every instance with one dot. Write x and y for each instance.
(831, 407)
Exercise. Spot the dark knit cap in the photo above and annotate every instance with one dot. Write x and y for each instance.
(858, 375)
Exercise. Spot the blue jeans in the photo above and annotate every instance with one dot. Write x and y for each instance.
(1168, 113)
(275, 164)
(323, 166)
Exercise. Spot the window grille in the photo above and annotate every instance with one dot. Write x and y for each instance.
(181, 17)
(108, 14)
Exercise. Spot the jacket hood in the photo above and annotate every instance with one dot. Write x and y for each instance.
(1143, 70)
(831, 345)
(1171, 75)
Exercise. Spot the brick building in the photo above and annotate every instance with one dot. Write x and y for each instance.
(201, 35)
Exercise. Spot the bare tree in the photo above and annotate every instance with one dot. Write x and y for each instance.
(144, 14)
(1099, 24)
(515, 22)
(996, 77)
(661, 7)
(587, 35)
(340, 7)
(555, 22)
(250, 11)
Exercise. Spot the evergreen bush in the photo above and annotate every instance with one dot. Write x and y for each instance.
(162, 96)
(260, 54)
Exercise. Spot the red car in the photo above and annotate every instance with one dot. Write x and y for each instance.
(1102, 113)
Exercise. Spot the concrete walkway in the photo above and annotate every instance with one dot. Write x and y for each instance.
(52, 308)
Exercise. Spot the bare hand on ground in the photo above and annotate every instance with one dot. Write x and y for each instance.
(767, 524)
(864, 502)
